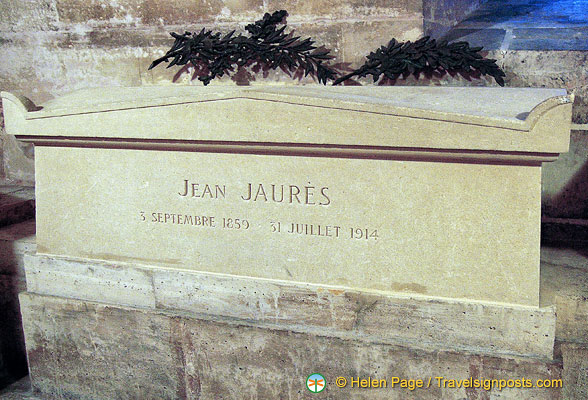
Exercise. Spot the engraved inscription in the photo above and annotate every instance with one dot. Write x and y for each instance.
(183, 219)
(210, 221)
(314, 230)
(261, 193)
(308, 195)
(199, 190)
(322, 230)
(363, 233)
(235, 223)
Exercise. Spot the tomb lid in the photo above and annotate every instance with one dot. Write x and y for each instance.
(423, 117)
(445, 103)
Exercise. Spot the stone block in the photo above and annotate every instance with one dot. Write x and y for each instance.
(418, 321)
(388, 271)
(75, 11)
(142, 366)
(151, 12)
(84, 350)
(324, 33)
(179, 11)
(351, 240)
(580, 109)
(18, 16)
(439, 16)
(357, 9)
(487, 38)
(527, 68)
(61, 67)
(361, 38)
(543, 39)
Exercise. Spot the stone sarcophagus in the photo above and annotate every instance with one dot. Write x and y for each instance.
(420, 194)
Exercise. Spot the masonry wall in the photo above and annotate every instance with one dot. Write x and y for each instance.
(441, 15)
(55, 46)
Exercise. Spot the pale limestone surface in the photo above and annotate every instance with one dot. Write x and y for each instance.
(82, 349)
(495, 119)
(417, 321)
(86, 350)
(428, 223)
(445, 181)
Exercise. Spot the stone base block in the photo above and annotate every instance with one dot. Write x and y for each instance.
(417, 321)
(85, 350)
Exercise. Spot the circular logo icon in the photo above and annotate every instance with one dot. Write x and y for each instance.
(316, 383)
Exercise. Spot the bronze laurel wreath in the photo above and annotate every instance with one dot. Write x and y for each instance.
(268, 47)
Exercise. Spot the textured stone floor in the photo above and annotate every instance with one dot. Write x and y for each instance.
(526, 25)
